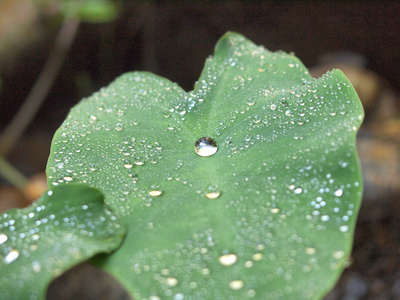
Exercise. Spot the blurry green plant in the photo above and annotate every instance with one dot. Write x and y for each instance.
(246, 187)
(91, 11)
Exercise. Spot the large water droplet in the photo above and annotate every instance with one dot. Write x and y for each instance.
(171, 281)
(213, 192)
(205, 146)
(3, 238)
(338, 193)
(228, 259)
(257, 256)
(155, 193)
(11, 256)
(236, 284)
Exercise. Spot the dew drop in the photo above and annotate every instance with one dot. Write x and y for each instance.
(171, 281)
(92, 119)
(179, 296)
(310, 251)
(298, 191)
(155, 193)
(213, 195)
(257, 256)
(205, 146)
(128, 164)
(3, 238)
(325, 218)
(119, 127)
(11, 256)
(338, 254)
(338, 193)
(248, 264)
(36, 266)
(344, 228)
(274, 210)
(251, 293)
(236, 284)
(228, 259)
(205, 271)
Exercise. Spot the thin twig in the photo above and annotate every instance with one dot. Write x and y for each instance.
(43, 84)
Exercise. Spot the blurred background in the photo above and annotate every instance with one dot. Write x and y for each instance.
(53, 53)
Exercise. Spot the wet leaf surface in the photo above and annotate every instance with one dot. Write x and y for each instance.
(67, 225)
(246, 187)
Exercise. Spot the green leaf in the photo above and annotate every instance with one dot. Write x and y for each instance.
(91, 11)
(270, 215)
(66, 226)
(98, 11)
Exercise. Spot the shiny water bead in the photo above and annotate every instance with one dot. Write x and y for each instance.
(11, 256)
(155, 193)
(205, 146)
(228, 259)
(236, 284)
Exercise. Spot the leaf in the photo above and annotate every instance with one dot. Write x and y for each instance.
(66, 226)
(270, 215)
(91, 11)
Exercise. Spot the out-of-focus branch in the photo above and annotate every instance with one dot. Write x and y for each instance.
(43, 84)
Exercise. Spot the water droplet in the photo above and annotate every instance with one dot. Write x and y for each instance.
(205, 271)
(310, 251)
(228, 259)
(171, 281)
(36, 266)
(92, 119)
(274, 210)
(338, 254)
(251, 293)
(155, 193)
(128, 164)
(11, 256)
(213, 195)
(344, 228)
(179, 296)
(236, 284)
(3, 238)
(257, 256)
(213, 192)
(298, 191)
(248, 264)
(325, 218)
(338, 193)
(119, 127)
(205, 146)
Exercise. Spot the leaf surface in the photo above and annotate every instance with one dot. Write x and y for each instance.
(67, 225)
(271, 214)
